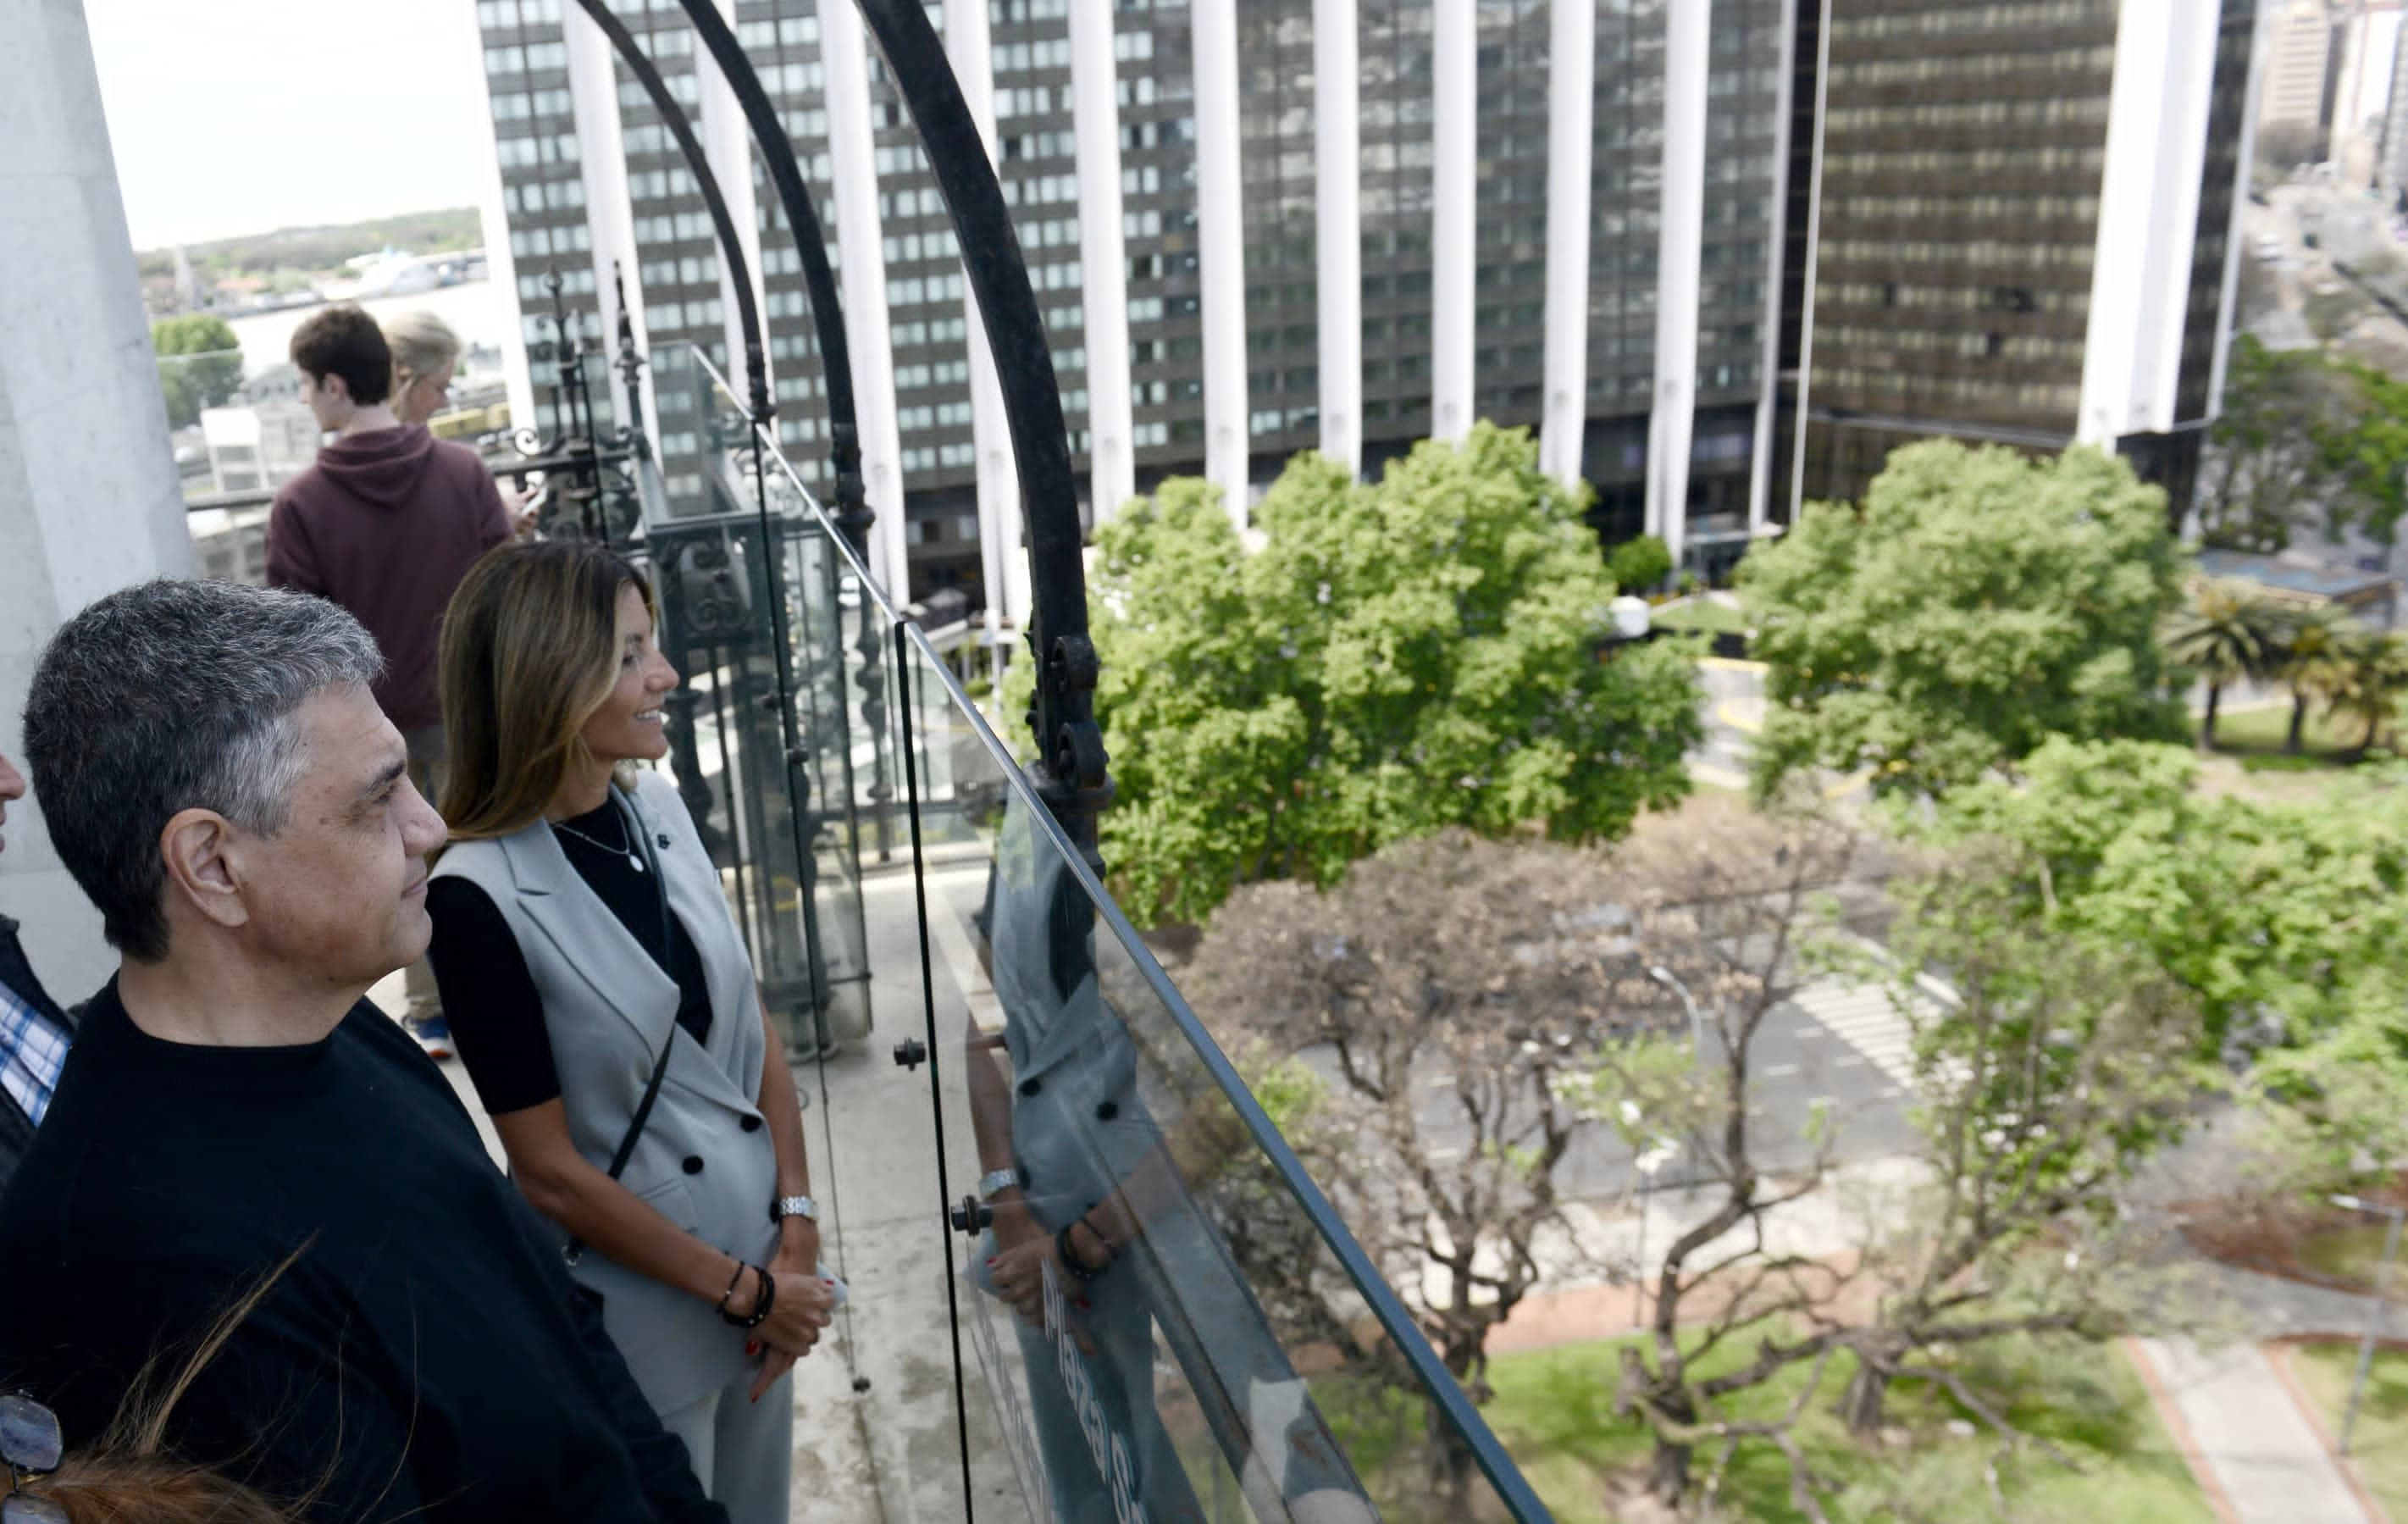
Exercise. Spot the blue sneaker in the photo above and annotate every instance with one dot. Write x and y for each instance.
(433, 1034)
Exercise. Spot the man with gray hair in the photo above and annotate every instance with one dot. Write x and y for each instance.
(217, 778)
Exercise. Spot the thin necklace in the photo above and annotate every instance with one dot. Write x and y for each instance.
(626, 844)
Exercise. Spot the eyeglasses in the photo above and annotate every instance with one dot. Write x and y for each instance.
(31, 1445)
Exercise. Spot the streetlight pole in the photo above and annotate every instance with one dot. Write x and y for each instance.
(2374, 1317)
(1663, 976)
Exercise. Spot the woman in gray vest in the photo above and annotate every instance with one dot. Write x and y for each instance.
(601, 998)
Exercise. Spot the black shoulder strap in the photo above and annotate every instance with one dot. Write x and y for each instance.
(575, 1249)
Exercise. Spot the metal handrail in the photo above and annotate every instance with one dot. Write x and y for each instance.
(1394, 1317)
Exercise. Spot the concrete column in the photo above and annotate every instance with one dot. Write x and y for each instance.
(1572, 113)
(1760, 467)
(727, 147)
(1221, 253)
(1455, 148)
(2228, 309)
(1003, 560)
(1103, 256)
(610, 210)
(2148, 217)
(862, 253)
(501, 264)
(1337, 216)
(1796, 465)
(89, 501)
(1680, 242)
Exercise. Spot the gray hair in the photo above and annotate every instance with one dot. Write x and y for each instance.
(175, 696)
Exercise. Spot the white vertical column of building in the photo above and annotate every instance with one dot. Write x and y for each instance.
(1680, 242)
(1337, 216)
(862, 276)
(1759, 475)
(2148, 217)
(1454, 159)
(1571, 137)
(1003, 562)
(610, 213)
(727, 147)
(2227, 312)
(494, 221)
(1797, 463)
(1221, 255)
(88, 495)
(1103, 256)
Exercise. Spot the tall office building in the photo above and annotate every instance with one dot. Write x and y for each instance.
(2021, 229)
(2303, 40)
(1657, 232)
(1217, 299)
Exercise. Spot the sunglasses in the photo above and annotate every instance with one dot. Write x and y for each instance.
(30, 1446)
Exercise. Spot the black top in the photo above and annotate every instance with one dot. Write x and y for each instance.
(489, 998)
(424, 1357)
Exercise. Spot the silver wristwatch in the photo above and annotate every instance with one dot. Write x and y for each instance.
(798, 1206)
(996, 1182)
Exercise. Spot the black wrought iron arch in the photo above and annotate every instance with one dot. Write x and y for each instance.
(1071, 770)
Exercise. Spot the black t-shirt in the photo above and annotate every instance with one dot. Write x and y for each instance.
(489, 998)
(423, 1357)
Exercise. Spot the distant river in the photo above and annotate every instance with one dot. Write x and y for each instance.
(481, 312)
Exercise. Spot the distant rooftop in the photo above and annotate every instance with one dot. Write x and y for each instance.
(2310, 580)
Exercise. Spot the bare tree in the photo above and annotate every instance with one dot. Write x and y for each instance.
(1726, 900)
(2057, 1070)
(1447, 993)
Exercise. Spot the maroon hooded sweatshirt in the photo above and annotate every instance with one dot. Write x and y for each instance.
(386, 523)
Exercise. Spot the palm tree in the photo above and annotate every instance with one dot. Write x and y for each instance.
(2228, 635)
(2313, 663)
(2374, 681)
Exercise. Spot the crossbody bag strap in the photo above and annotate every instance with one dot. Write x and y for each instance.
(575, 1249)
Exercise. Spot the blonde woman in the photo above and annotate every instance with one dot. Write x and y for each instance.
(425, 357)
(426, 354)
(601, 998)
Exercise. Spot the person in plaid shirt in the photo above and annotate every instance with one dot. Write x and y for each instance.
(34, 1030)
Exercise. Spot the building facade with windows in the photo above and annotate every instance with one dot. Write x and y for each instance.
(2020, 230)
(1659, 234)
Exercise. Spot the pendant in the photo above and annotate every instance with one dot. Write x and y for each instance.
(635, 862)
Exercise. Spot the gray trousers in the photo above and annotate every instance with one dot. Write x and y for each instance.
(743, 1451)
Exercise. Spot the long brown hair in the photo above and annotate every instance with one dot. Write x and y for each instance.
(529, 652)
(129, 1477)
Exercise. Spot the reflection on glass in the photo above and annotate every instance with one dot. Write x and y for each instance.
(1157, 1319)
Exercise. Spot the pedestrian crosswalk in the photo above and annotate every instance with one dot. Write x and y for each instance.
(1867, 1017)
(1863, 1018)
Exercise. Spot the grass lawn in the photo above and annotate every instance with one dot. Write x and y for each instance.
(1554, 1412)
(2350, 1254)
(2256, 739)
(1700, 614)
(2380, 1445)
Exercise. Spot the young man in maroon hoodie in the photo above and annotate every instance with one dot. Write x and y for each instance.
(385, 523)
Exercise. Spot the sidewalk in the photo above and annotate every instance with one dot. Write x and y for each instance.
(2237, 1417)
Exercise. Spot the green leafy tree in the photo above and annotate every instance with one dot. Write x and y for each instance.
(1397, 656)
(2314, 665)
(200, 364)
(2277, 461)
(1977, 603)
(1640, 563)
(2226, 634)
(2271, 916)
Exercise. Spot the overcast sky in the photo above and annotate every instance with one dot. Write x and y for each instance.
(239, 116)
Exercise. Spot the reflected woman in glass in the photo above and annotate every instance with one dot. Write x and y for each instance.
(600, 994)
(1100, 1246)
